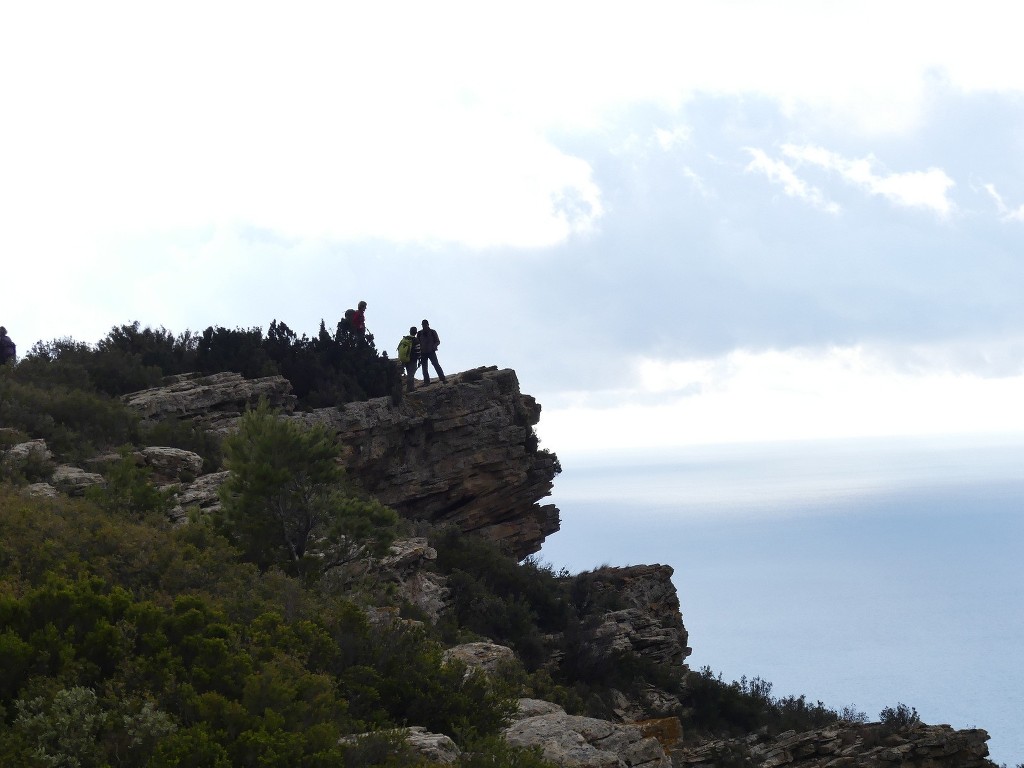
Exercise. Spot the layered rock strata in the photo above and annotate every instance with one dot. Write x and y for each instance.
(462, 453)
(847, 745)
(583, 742)
(214, 402)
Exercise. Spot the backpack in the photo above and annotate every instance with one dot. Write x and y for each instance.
(405, 349)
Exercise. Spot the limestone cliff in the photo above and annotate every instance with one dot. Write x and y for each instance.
(463, 453)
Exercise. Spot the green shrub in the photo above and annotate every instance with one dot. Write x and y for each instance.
(285, 504)
(899, 718)
(76, 423)
(719, 709)
(129, 492)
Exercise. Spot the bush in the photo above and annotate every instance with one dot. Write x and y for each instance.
(285, 504)
(719, 709)
(900, 718)
(128, 491)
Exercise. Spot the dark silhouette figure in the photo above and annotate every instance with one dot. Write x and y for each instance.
(429, 342)
(414, 358)
(359, 319)
(7, 349)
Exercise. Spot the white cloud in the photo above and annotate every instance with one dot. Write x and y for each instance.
(916, 189)
(777, 172)
(1005, 212)
(795, 395)
(670, 139)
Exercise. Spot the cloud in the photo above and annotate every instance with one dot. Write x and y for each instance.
(1005, 212)
(778, 172)
(797, 394)
(669, 139)
(915, 189)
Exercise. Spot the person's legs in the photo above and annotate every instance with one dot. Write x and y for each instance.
(426, 373)
(437, 368)
(410, 375)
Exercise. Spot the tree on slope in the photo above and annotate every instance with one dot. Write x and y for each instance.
(285, 502)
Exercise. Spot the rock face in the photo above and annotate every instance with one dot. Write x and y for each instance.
(583, 742)
(848, 745)
(215, 402)
(462, 453)
(651, 624)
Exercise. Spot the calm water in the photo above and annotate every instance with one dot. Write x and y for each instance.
(863, 572)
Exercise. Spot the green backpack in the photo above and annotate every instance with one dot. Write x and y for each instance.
(405, 349)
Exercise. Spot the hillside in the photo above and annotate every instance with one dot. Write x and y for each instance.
(216, 569)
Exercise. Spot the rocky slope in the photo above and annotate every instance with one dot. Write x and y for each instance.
(465, 453)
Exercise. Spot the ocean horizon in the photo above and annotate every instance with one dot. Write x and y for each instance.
(862, 573)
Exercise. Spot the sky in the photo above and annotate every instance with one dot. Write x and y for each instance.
(681, 223)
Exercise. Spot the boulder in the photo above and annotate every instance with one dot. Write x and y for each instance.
(40, 490)
(74, 481)
(434, 747)
(486, 657)
(37, 449)
(586, 742)
(172, 464)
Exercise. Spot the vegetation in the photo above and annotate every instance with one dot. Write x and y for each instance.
(129, 642)
(285, 503)
(245, 638)
(899, 718)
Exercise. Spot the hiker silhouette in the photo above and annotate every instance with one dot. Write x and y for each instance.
(8, 351)
(429, 342)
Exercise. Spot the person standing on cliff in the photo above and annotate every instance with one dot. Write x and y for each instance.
(429, 342)
(412, 343)
(359, 319)
(7, 349)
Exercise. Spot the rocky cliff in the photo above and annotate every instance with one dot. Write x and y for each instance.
(463, 453)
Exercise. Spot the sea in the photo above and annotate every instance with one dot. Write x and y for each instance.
(864, 573)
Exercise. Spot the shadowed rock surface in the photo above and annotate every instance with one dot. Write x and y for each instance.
(462, 453)
(847, 745)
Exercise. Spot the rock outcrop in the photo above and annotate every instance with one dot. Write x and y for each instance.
(847, 745)
(214, 402)
(484, 657)
(583, 742)
(651, 625)
(462, 453)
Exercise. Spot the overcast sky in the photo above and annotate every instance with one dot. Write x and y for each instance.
(679, 222)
